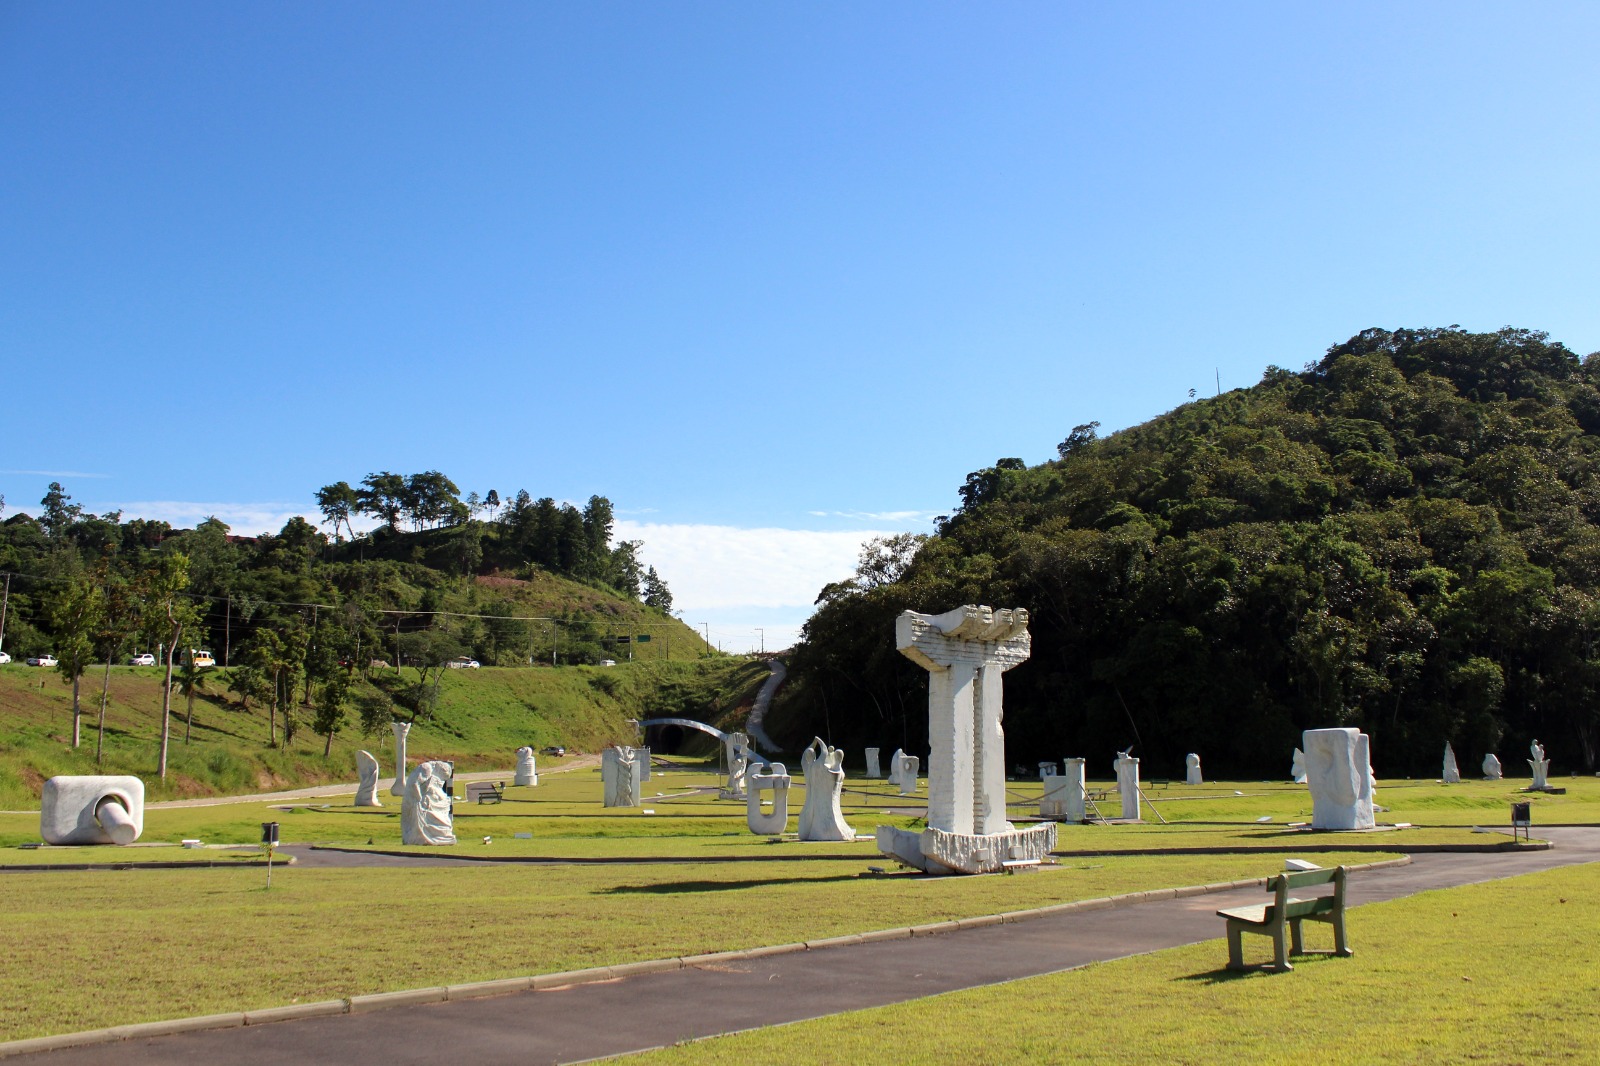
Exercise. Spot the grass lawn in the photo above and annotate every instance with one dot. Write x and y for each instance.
(1495, 973)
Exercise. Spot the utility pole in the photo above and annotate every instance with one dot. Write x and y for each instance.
(763, 633)
(4, 603)
(227, 631)
(707, 627)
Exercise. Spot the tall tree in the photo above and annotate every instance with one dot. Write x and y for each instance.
(163, 590)
(337, 503)
(75, 609)
(330, 715)
(59, 513)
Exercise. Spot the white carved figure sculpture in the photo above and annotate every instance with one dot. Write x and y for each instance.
(425, 812)
(966, 653)
(527, 773)
(1452, 772)
(400, 731)
(619, 773)
(1297, 769)
(1191, 763)
(1540, 765)
(1047, 769)
(1064, 794)
(774, 778)
(367, 787)
(874, 771)
(1339, 772)
(1128, 785)
(821, 818)
(736, 746)
(642, 757)
(1491, 768)
(91, 809)
(906, 769)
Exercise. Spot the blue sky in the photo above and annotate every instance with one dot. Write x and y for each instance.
(772, 277)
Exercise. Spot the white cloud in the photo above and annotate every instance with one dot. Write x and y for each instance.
(897, 517)
(244, 519)
(54, 473)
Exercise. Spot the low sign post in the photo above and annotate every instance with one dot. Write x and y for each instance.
(1521, 819)
(269, 837)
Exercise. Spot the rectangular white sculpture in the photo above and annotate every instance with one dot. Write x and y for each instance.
(1065, 794)
(774, 778)
(1191, 764)
(642, 757)
(1128, 785)
(426, 815)
(619, 773)
(966, 653)
(1452, 772)
(367, 787)
(873, 770)
(92, 809)
(1339, 773)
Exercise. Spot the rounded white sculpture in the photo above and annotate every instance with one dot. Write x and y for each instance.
(1540, 765)
(91, 809)
(400, 731)
(821, 818)
(526, 774)
(1491, 768)
(874, 771)
(774, 778)
(619, 775)
(1452, 772)
(426, 816)
(1128, 785)
(1191, 763)
(367, 788)
(1339, 772)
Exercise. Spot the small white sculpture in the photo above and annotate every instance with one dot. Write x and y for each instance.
(619, 773)
(642, 757)
(737, 748)
(527, 773)
(1064, 794)
(1297, 769)
(873, 770)
(907, 767)
(426, 816)
(1541, 766)
(773, 777)
(1339, 772)
(1452, 772)
(367, 789)
(1047, 769)
(400, 731)
(91, 809)
(821, 818)
(1128, 785)
(1491, 768)
(1192, 763)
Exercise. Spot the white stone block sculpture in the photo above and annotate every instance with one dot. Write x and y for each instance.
(773, 778)
(619, 773)
(1064, 794)
(1491, 768)
(426, 816)
(400, 731)
(1297, 769)
(1127, 768)
(1047, 769)
(736, 746)
(966, 653)
(1339, 772)
(95, 809)
(642, 757)
(1191, 763)
(906, 769)
(821, 818)
(874, 771)
(367, 786)
(1452, 772)
(1540, 765)
(527, 773)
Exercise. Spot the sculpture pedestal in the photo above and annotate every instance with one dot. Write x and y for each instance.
(935, 851)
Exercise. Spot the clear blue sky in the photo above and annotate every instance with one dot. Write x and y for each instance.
(740, 265)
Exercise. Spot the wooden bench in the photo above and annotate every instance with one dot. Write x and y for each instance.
(485, 791)
(1269, 919)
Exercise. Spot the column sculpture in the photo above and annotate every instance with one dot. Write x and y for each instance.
(400, 731)
(1128, 785)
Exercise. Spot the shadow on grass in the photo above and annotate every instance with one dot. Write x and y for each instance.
(1223, 975)
(675, 887)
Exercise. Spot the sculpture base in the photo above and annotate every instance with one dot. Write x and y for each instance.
(935, 851)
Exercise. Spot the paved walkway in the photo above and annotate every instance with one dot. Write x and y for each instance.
(595, 1020)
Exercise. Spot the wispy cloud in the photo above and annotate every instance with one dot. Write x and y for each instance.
(909, 517)
(54, 473)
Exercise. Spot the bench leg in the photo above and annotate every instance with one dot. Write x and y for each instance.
(1280, 947)
(1341, 942)
(1297, 942)
(1235, 947)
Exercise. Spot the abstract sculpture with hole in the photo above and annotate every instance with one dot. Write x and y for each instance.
(1339, 772)
(425, 813)
(768, 777)
(367, 771)
(821, 818)
(903, 770)
(527, 773)
(91, 810)
(619, 774)
(966, 653)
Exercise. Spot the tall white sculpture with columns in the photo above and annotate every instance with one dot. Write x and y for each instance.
(1339, 771)
(966, 653)
(400, 731)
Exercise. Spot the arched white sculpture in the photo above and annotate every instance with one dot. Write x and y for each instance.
(1491, 768)
(1128, 785)
(426, 816)
(1452, 772)
(1339, 771)
(1540, 765)
(400, 731)
(1191, 763)
(91, 809)
(1297, 769)
(619, 773)
(774, 778)
(367, 787)
(874, 771)
(527, 773)
(1064, 794)
(821, 818)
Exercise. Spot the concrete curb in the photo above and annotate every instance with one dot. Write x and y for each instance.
(545, 982)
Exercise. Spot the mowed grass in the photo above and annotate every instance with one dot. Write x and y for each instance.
(1496, 973)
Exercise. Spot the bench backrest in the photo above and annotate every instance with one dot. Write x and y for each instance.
(1283, 883)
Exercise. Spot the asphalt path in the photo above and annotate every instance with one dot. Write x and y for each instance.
(591, 1021)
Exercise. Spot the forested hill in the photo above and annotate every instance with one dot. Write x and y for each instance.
(1402, 537)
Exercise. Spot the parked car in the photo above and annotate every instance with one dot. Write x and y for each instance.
(144, 658)
(463, 662)
(201, 657)
(555, 749)
(4, 658)
(42, 660)
(608, 662)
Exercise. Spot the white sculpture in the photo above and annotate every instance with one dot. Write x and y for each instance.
(821, 818)
(426, 816)
(773, 777)
(1047, 769)
(1339, 771)
(1128, 785)
(1541, 766)
(642, 757)
(874, 771)
(1064, 794)
(619, 773)
(1192, 763)
(367, 788)
(91, 809)
(906, 768)
(737, 748)
(966, 653)
(1491, 768)
(1452, 772)
(527, 773)
(1297, 769)
(400, 731)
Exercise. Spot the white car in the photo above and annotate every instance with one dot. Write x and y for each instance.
(142, 659)
(608, 662)
(5, 657)
(463, 662)
(42, 660)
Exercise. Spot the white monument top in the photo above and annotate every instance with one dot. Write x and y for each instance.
(970, 634)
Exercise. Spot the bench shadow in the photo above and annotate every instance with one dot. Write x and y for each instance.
(674, 887)
(1223, 975)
